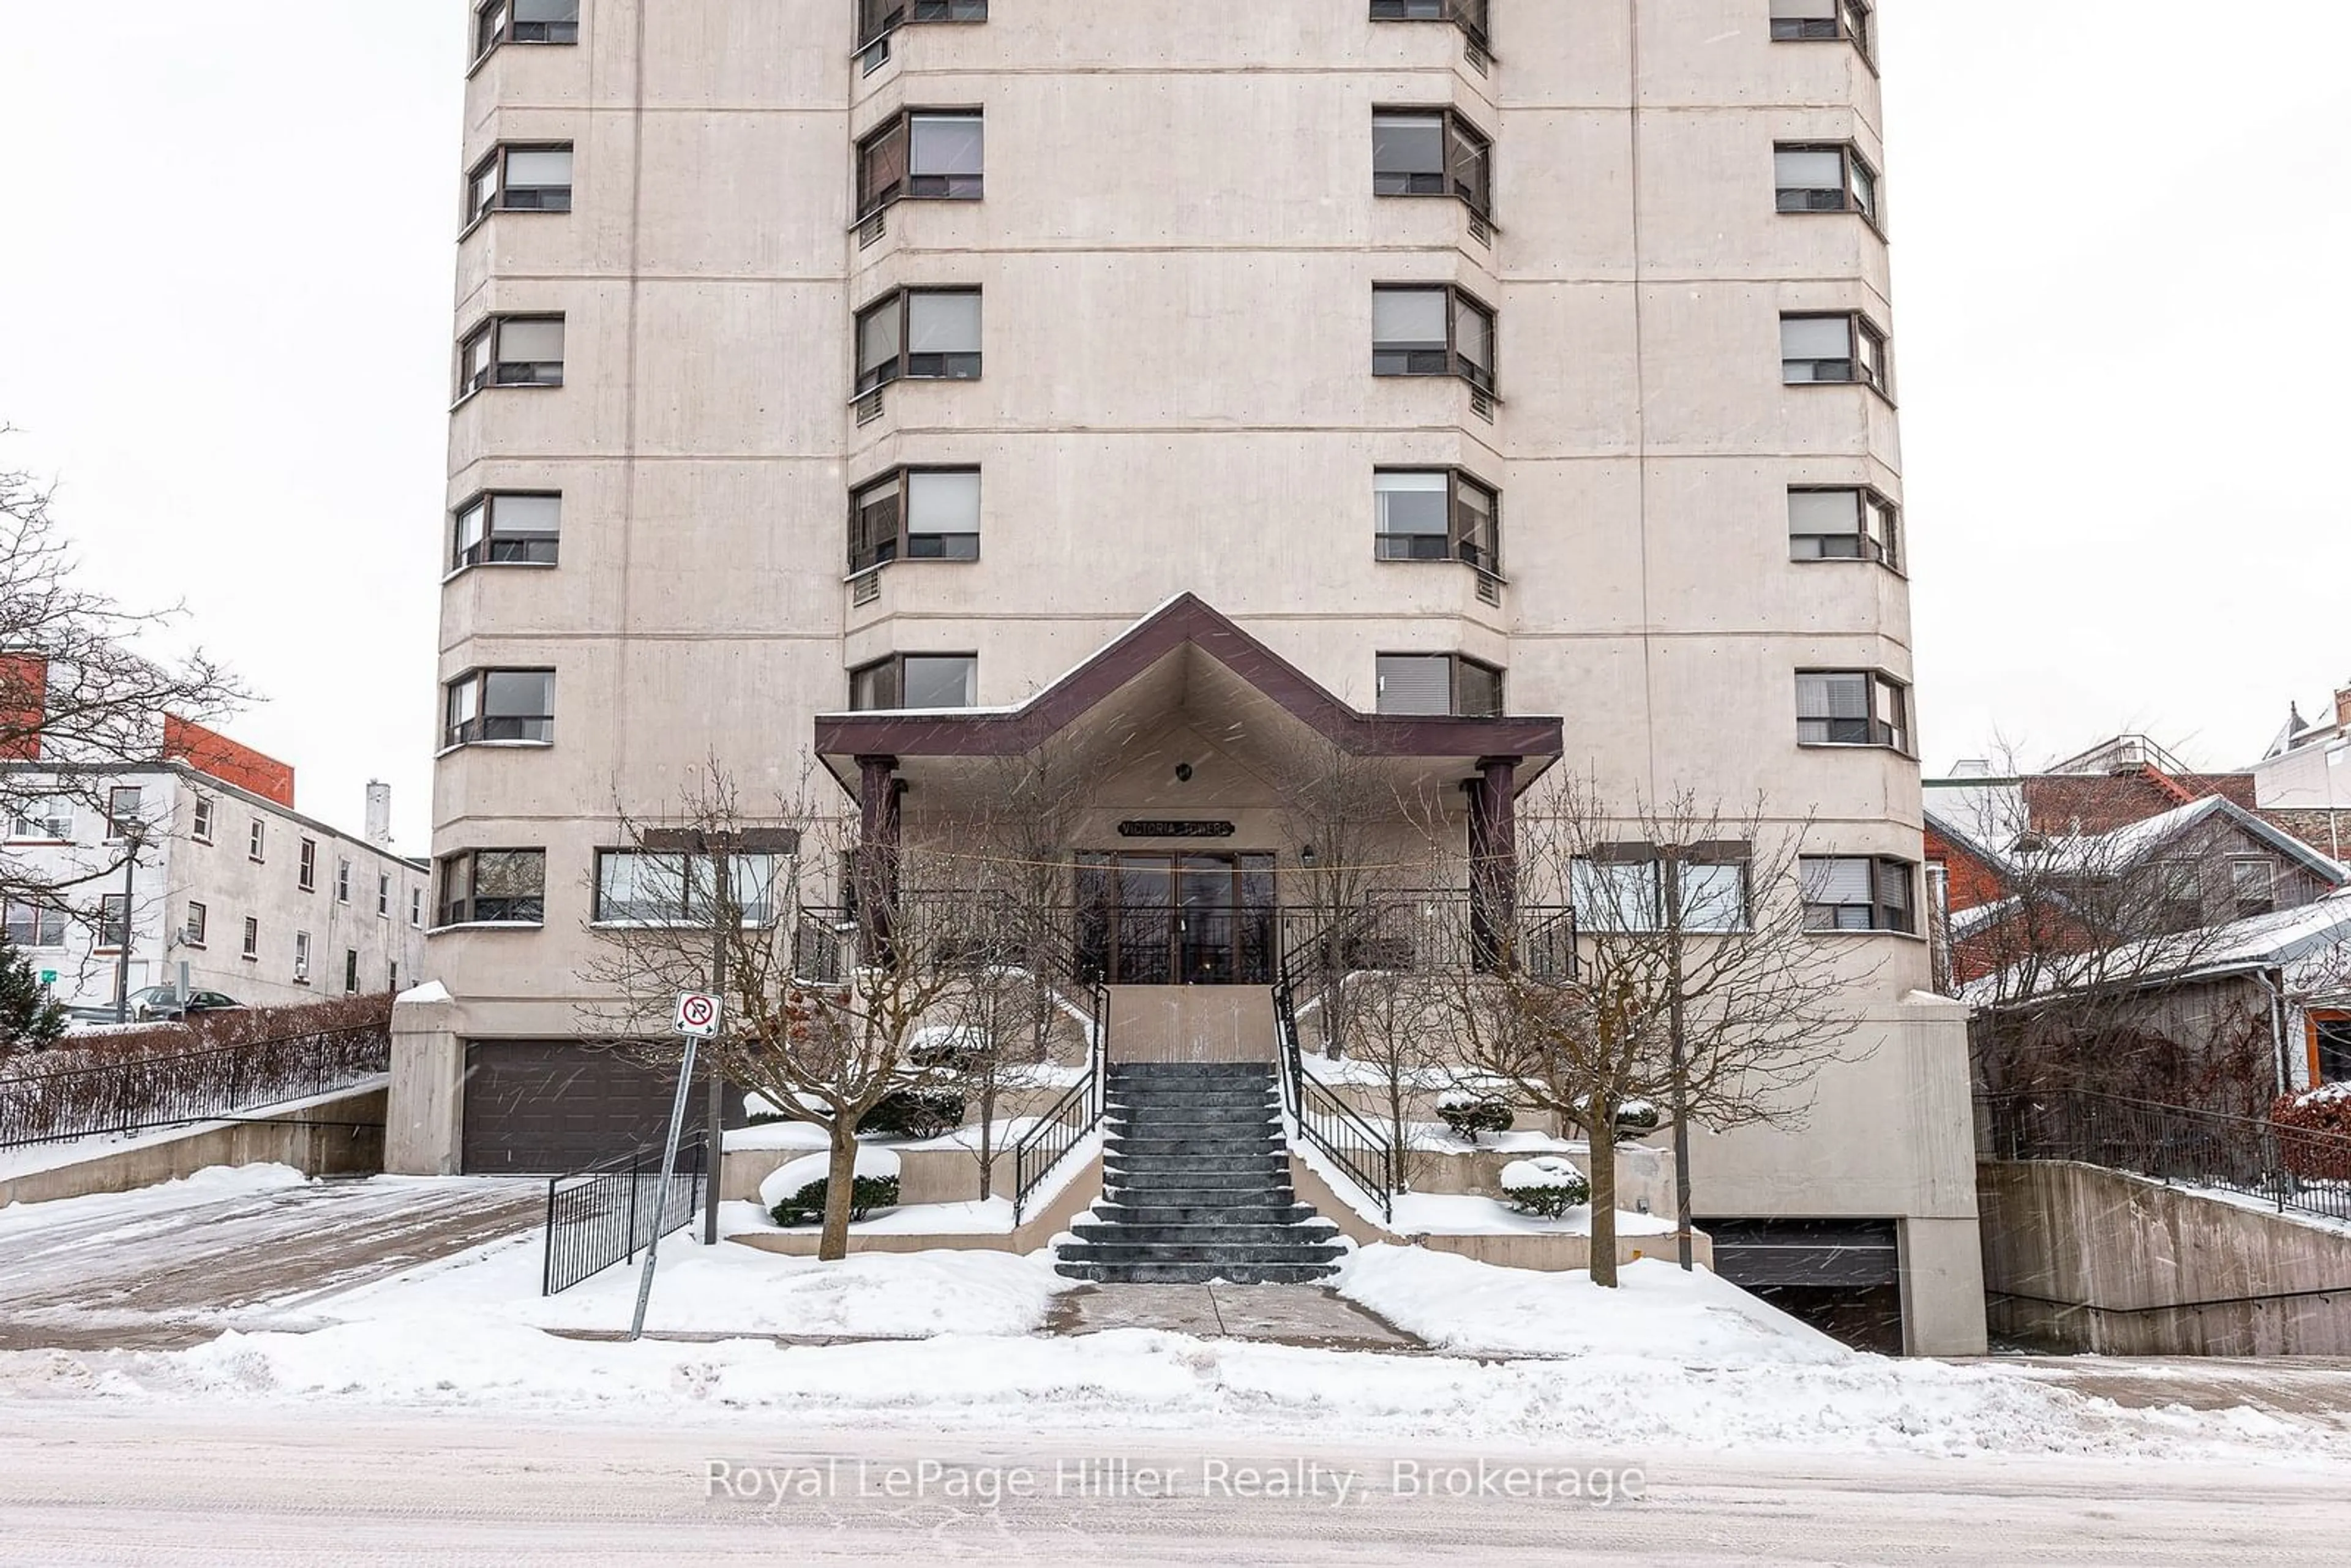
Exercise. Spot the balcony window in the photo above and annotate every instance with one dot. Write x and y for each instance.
(1856, 893)
(916, 513)
(1839, 348)
(525, 22)
(928, 334)
(1843, 524)
(1852, 708)
(1825, 179)
(636, 888)
(914, 682)
(493, 887)
(924, 157)
(34, 925)
(521, 180)
(1435, 515)
(1469, 15)
(501, 705)
(1823, 22)
(507, 527)
(512, 352)
(878, 18)
(1432, 331)
(1432, 154)
(1437, 683)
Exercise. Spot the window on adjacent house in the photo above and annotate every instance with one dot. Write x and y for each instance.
(926, 334)
(492, 887)
(383, 895)
(306, 866)
(301, 957)
(1423, 332)
(251, 948)
(257, 837)
(501, 705)
(1618, 890)
(916, 513)
(508, 528)
(34, 925)
(342, 881)
(1845, 524)
(1831, 348)
(416, 906)
(193, 933)
(1431, 152)
(1856, 893)
(877, 18)
(2252, 883)
(1825, 179)
(1822, 21)
(500, 22)
(512, 352)
(123, 819)
(923, 155)
(1469, 15)
(113, 927)
(2330, 1046)
(350, 971)
(1852, 708)
(202, 827)
(2180, 894)
(520, 180)
(907, 681)
(1435, 515)
(47, 817)
(633, 886)
(1433, 683)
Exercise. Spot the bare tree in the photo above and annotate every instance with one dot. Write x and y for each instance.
(1690, 920)
(1395, 1020)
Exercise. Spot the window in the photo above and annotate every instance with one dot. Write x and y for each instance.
(122, 819)
(342, 881)
(509, 528)
(1851, 707)
(2178, 894)
(1431, 153)
(1435, 515)
(929, 334)
(2252, 885)
(252, 938)
(1844, 525)
(1617, 891)
(1432, 332)
(1825, 179)
(203, 828)
(1469, 15)
(923, 157)
(501, 705)
(350, 971)
(383, 895)
(908, 681)
(877, 18)
(416, 906)
(525, 22)
(2330, 1048)
(1856, 893)
(493, 887)
(1831, 348)
(193, 934)
(520, 180)
(34, 926)
(306, 874)
(1430, 684)
(49, 817)
(301, 957)
(113, 924)
(632, 886)
(512, 352)
(257, 837)
(916, 513)
(1822, 21)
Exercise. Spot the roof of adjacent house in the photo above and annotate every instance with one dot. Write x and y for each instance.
(2133, 844)
(2310, 945)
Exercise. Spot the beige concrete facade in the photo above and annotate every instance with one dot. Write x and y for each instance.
(1176, 253)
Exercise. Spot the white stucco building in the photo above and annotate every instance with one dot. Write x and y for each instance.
(1513, 374)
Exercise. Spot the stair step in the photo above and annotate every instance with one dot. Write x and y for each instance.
(1253, 1146)
(1197, 1273)
(1203, 1252)
(1211, 1213)
(1219, 1234)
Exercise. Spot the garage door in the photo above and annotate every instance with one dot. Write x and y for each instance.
(541, 1107)
(1842, 1276)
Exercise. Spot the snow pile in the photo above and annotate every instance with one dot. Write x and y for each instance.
(788, 1180)
(1465, 1214)
(206, 1185)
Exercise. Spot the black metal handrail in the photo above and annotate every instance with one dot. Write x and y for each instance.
(610, 1214)
(2291, 1170)
(1038, 1152)
(145, 1091)
(1320, 1116)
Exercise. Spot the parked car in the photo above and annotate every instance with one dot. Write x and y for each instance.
(162, 1003)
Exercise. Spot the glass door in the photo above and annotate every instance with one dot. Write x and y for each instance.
(1151, 919)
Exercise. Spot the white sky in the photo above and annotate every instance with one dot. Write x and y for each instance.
(2120, 225)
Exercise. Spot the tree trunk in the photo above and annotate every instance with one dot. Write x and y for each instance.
(987, 1132)
(1403, 1133)
(1602, 1129)
(840, 1187)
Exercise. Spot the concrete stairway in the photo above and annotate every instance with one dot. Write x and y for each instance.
(1197, 1184)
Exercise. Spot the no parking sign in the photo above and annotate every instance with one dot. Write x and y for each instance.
(697, 1014)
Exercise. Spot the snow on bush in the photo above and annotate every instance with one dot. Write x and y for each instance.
(1471, 1111)
(2322, 1117)
(795, 1194)
(1547, 1185)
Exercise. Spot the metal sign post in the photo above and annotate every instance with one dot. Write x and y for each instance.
(696, 1019)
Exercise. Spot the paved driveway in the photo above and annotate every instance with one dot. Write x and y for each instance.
(177, 1264)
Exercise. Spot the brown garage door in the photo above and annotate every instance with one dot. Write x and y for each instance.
(539, 1107)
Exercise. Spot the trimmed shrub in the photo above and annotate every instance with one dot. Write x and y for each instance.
(1470, 1114)
(866, 1194)
(2324, 1115)
(1547, 1185)
(1636, 1117)
(914, 1114)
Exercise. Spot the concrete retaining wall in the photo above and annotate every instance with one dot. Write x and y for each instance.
(2080, 1257)
(293, 1136)
(1034, 1232)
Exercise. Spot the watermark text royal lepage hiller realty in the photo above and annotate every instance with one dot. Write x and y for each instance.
(1113, 1478)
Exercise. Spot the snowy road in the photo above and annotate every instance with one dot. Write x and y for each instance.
(260, 1487)
(174, 1265)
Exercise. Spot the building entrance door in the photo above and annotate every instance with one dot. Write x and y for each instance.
(1151, 919)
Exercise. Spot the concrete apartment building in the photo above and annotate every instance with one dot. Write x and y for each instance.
(1485, 385)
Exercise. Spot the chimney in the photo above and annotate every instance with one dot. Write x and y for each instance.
(379, 813)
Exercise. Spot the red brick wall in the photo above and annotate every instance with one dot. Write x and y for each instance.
(1971, 881)
(23, 703)
(217, 754)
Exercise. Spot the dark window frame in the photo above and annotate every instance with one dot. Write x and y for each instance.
(193, 930)
(501, 195)
(896, 666)
(2266, 901)
(1457, 545)
(877, 20)
(114, 933)
(1846, 199)
(1457, 300)
(29, 923)
(907, 186)
(461, 903)
(1860, 331)
(690, 871)
(249, 947)
(1457, 666)
(200, 819)
(531, 729)
(1854, 23)
(1886, 915)
(1876, 732)
(1712, 854)
(1456, 129)
(491, 35)
(1474, 17)
(124, 818)
(494, 370)
(306, 866)
(1866, 547)
(494, 548)
(952, 367)
(867, 550)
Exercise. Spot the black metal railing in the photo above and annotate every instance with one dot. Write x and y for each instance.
(597, 1218)
(1045, 942)
(2292, 1170)
(147, 1092)
(1321, 954)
